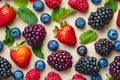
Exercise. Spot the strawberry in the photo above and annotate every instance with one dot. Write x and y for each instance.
(79, 5)
(32, 0)
(53, 3)
(118, 19)
(78, 77)
(21, 55)
(53, 76)
(7, 15)
(66, 34)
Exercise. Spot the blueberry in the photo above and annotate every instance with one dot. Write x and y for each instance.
(82, 50)
(1, 46)
(52, 45)
(15, 32)
(96, 77)
(80, 23)
(38, 5)
(116, 45)
(18, 75)
(45, 18)
(96, 1)
(112, 34)
(40, 65)
(103, 63)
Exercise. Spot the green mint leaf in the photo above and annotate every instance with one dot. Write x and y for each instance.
(9, 41)
(37, 50)
(111, 4)
(20, 3)
(110, 78)
(88, 37)
(59, 13)
(27, 15)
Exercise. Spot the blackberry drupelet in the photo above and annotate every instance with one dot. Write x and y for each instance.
(60, 60)
(5, 67)
(114, 68)
(103, 47)
(87, 65)
(97, 20)
(34, 34)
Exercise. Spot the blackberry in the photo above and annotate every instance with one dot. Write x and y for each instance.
(103, 47)
(60, 60)
(97, 20)
(114, 68)
(34, 34)
(5, 67)
(87, 65)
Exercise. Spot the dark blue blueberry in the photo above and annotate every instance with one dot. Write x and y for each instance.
(103, 63)
(18, 75)
(45, 18)
(1, 46)
(40, 65)
(96, 1)
(15, 32)
(112, 34)
(38, 5)
(53, 45)
(116, 45)
(96, 77)
(82, 50)
(80, 23)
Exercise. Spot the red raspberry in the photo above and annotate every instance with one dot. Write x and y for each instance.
(118, 19)
(32, 0)
(52, 76)
(78, 77)
(33, 74)
(79, 5)
(53, 3)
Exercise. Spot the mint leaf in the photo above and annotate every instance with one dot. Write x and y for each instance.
(110, 78)
(9, 41)
(88, 37)
(111, 4)
(20, 3)
(27, 15)
(37, 50)
(59, 13)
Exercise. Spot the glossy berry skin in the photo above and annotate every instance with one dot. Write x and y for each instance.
(52, 45)
(18, 75)
(96, 1)
(38, 5)
(1, 46)
(78, 77)
(96, 77)
(118, 19)
(103, 63)
(52, 76)
(116, 45)
(45, 18)
(112, 34)
(80, 23)
(39, 65)
(15, 32)
(82, 50)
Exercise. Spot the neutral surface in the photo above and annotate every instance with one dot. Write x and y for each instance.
(66, 75)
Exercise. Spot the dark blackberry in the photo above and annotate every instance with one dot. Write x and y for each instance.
(5, 67)
(87, 65)
(97, 20)
(114, 68)
(34, 34)
(103, 47)
(60, 60)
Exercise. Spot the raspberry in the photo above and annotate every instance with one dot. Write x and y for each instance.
(78, 77)
(33, 74)
(60, 60)
(53, 3)
(79, 5)
(103, 47)
(53, 76)
(34, 34)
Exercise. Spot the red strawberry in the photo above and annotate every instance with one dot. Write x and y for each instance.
(31, 0)
(7, 15)
(53, 3)
(66, 34)
(21, 55)
(33, 74)
(79, 5)
(118, 19)
(78, 77)
(52, 76)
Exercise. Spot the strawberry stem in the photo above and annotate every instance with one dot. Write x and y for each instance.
(63, 23)
(55, 30)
